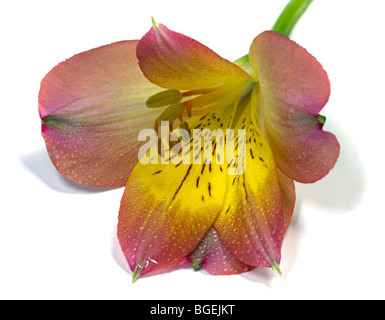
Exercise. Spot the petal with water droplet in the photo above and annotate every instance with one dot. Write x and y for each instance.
(251, 220)
(215, 258)
(92, 108)
(293, 90)
(168, 208)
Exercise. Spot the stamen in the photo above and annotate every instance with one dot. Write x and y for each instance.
(197, 92)
(164, 98)
(192, 93)
(170, 114)
(209, 100)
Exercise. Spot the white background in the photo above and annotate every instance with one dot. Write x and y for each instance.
(57, 239)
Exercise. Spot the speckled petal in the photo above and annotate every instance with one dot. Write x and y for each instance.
(214, 256)
(175, 61)
(251, 221)
(92, 108)
(293, 90)
(167, 209)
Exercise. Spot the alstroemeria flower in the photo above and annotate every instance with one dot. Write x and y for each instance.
(94, 105)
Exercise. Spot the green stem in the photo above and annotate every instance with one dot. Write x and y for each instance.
(290, 16)
(284, 24)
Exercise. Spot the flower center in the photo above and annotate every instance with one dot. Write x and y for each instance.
(201, 101)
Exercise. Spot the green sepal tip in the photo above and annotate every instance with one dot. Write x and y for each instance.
(321, 119)
(136, 274)
(275, 266)
(154, 23)
(196, 266)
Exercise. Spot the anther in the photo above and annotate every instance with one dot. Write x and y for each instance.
(164, 98)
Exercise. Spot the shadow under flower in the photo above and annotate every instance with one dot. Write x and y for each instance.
(40, 165)
(343, 189)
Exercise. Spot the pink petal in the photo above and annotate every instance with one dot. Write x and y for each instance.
(215, 258)
(293, 90)
(175, 61)
(92, 108)
(289, 73)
